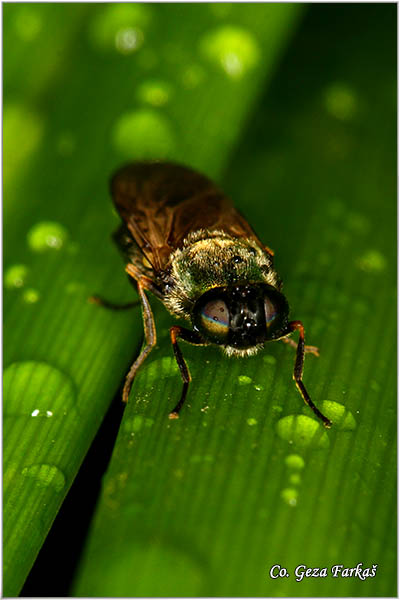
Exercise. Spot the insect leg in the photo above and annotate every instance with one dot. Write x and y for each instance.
(192, 338)
(307, 349)
(111, 305)
(150, 336)
(298, 372)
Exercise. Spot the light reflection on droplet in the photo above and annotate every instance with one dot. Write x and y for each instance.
(128, 40)
(233, 48)
(39, 413)
(47, 235)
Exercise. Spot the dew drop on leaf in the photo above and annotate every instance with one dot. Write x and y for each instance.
(232, 48)
(302, 431)
(143, 133)
(34, 389)
(47, 235)
(15, 276)
(46, 476)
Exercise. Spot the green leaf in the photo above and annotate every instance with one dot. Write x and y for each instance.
(246, 479)
(88, 87)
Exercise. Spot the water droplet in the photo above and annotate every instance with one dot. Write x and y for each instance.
(193, 76)
(290, 496)
(128, 40)
(295, 479)
(143, 134)
(34, 389)
(119, 26)
(39, 413)
(340, 101)
(154, 92)
(31, 296)
(161, 368)
(47, 235)
(259, 388)
(295, 461)
(15, 276)
(269, 359)
(244, 380)
(28, 24)
(137, 423)
(251, 421)
(302, 431)
(232, 48)
(22, 132)
(372, 261)
(199, 458)
(341, 417)
(46, 476)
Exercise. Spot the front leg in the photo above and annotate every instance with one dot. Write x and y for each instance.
(298, 372)
(143, 283)
(193, 338)
(307, 349)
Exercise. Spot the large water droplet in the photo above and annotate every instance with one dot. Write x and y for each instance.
(15, 276)
(128, 40)
(143, 134)
(34, 389)
(339, 415)
(46, 476)
(47, 235)
(234, 49)
(302, 431)
(119, 26)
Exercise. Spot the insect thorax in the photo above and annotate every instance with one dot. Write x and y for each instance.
(210, 259)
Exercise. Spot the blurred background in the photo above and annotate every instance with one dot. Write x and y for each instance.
(291, 108)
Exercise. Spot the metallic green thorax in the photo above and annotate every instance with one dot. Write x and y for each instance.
(210, 259)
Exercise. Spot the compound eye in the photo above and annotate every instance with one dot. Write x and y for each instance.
(215, 319)
(270, 311)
